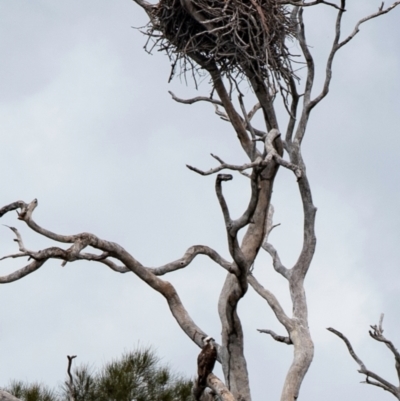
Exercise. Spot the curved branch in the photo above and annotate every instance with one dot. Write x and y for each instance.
(301, 36)
(273, 302)
(225, 117)
(273, 154)
(219, 388)
(377, 334)
(328, 70)
(196, 99)
(277, 337)
(380, 12)
(293, 112)
(278, 266)
(79, 242)
(233, 115)
(17, 275)
(11, 206)
(276, 260)
(189, 255)
(309, 238)
(247, 121)
(363, 369)
(227, 166)
(337, 45)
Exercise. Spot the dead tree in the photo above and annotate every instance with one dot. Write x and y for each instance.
(371, 377)
(233, 42)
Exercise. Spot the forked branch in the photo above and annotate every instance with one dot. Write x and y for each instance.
(70, 384)
(381, 11)
(108, 250)
(376, 334)
(337, 44)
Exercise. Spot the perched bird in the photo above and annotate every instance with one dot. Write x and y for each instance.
(206, 361)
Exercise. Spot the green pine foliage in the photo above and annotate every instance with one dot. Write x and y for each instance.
(31, 392)
(135, 376)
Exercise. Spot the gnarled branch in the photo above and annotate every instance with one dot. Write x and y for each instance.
(379, 381)
(277, 337)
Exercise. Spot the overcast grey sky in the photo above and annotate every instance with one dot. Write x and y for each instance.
(88, 128)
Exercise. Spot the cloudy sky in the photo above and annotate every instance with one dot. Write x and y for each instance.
(88, 128)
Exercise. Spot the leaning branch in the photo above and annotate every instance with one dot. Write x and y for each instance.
(277, 337)
(276, 260)
(380, 12)
(377, 334)
(219, 388)
(189, 255)
(380, 382)
(109, 249)
(328, 71)
(272, 301)
(227, 166)
(196, 99)
(337, 45)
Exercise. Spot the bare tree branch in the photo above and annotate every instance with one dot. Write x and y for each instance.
(377, 334)
(253, 111)
(21, 245)
(278, 266)
(313, 3)
(273, 154)
(272, 302)
(277, 337)
(196, 99)
(246, 117)
(337, 45)
(380, 12)
(380, 382)
(111, 249)
(219, 388)
(11, 206)
(233, 115)
(328, 71)
(189, 255)
(349, 347)
(70, 385)
(227, 166)
(225, 117)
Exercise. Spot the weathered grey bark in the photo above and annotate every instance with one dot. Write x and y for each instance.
(378, 381)
(263, 165)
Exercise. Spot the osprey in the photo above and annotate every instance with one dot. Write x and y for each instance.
(206, 361)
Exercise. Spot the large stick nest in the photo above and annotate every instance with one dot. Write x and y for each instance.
(243, 37)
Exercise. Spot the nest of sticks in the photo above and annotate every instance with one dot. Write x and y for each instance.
(241, 36)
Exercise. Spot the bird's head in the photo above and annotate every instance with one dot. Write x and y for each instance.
(207, 340)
